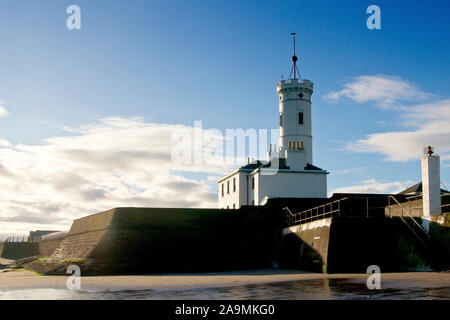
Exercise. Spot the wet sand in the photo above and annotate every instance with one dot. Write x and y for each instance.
(20, 280)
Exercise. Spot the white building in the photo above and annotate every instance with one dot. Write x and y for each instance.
(288, 172)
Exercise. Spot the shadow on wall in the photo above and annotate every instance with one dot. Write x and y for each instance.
(18, 250)
(155, 240)
(350, 245)
(440, 242)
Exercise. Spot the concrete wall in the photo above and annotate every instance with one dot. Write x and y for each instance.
(351, 244)
(147, 240)
(415, 208)
(305, 247)
(356, 243)
(440, 241)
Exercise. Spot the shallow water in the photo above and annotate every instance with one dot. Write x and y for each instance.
(293, 290)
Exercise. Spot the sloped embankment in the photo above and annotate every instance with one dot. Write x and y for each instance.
(154, 240)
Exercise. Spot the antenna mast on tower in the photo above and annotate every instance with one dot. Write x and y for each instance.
(294, 65)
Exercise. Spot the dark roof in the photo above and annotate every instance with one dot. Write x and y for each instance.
(416, 189)
(413, 189)
(309, 166)
(282, 165)
(253, 165)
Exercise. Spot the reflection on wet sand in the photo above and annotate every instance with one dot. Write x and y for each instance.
(293, 290)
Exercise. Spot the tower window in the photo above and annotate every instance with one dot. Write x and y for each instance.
(281, 119)
(300, 118)
(253, 183)
(234, 184)
(223, 188)
(228, 187)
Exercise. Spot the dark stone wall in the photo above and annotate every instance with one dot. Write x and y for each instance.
(351, 244)
(356, 243)
(161, 240)
(148, 240)
(440, 241)
(18, 250)
(47, 247)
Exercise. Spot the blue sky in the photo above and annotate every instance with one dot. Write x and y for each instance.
(174, 62)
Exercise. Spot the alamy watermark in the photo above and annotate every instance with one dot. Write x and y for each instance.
(74, 281)
(374, 20)
(374, 280)
(196, 146)
(73, 22)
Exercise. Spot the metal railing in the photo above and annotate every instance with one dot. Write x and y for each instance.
(416, 224)
(316, 213)
(16, 239)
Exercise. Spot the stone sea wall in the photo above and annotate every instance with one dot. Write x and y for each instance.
(19, 250)
(154, 240)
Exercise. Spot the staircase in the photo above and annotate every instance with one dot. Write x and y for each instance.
(418, 231)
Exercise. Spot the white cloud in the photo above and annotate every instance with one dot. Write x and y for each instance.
(110, 163)
(384, 91)
(3, 111)
(374, 186)
(425, 124)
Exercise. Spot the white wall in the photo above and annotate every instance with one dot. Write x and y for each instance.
(431, 185)
(236, 197)
(287, 184)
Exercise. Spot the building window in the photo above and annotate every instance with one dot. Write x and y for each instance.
(300, 118)
(234, 184)
(298, 145)
(281, 119)
(289, 145)
(223, 188)
(253, 183)
(228, 187)
(228, 207)
(253, 202)
(234, 206)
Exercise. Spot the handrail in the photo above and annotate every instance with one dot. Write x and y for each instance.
(403, 208)
(420, 227)
(293, 216)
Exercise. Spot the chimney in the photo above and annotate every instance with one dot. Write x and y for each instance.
(431, 187)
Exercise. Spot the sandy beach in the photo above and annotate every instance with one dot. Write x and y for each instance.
(20, 280)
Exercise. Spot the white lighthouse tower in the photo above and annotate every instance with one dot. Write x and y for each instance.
(295, 118)
(289, 171)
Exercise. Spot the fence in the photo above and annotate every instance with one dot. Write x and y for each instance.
(344, 207)
(316, 213)
(16, 239)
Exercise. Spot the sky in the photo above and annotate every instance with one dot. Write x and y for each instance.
(87, 117)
